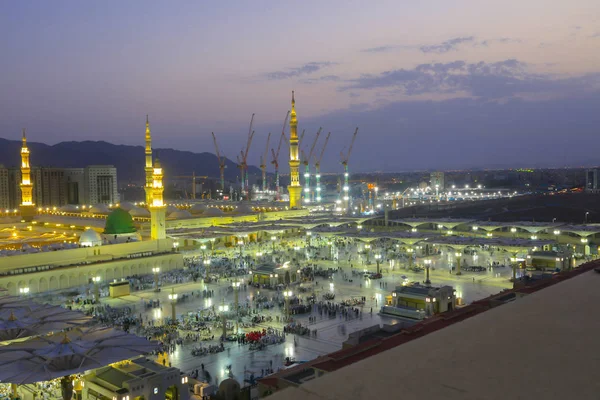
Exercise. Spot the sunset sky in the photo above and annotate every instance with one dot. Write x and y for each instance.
(433, 84)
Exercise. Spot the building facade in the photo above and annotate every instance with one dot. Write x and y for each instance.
(101, 184)
(591, 180)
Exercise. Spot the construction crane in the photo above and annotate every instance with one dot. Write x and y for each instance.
(318, 169)
(263, 164)
(275, 160)
(244, 154)
(242, 164)
(221, 160)
(344, 159)
(305, 161)
(193, 177)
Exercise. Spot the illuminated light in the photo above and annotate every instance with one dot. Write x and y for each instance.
(306, 175)
(346, 188)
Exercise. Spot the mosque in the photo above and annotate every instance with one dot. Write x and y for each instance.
(60, 248)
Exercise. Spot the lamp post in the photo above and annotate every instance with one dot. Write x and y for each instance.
(586, 216)
(410, 258)
(207, 266)
(273, 239)
(173, 298)
(212, 247)
(96, 280)
(156, 270)
(427, 266)
(457, 254)
(223, 309)
(308, 235)
(241, 244)
(513, 231)
(377, 260)
(203, 248)
(236, 286)
(24, 291)
(367, 250)
(286, 295)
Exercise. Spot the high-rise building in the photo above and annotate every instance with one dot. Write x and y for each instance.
(101, 184)
(4, 189)
(294, 189)
(149, 170)
(437, 181)
(75, 182)
(591, 180)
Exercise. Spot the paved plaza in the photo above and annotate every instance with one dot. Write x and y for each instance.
(331, 333)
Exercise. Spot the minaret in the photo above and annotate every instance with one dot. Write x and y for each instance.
(148, 169)
(294, 189)
(157, 207)
(27, 207)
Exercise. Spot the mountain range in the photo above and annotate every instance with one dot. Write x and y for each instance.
(129, 160)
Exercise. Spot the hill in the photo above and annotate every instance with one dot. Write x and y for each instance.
(129, 160)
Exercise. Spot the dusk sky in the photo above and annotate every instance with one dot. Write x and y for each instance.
(435, 84)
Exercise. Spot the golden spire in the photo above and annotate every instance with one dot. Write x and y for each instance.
(24, 138)
(147, 126)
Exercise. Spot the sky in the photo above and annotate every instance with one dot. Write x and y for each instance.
(433, 84)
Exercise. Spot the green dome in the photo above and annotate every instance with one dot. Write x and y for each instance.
(119, 221)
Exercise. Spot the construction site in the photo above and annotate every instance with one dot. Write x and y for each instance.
(305, 153)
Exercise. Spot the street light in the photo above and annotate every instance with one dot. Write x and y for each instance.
(156, 270)
(586, 216)
(427, 265)
(377, 259)
(410, 259)
(236, 287)
(367, 250)
(223, 309)
(96, 280)
(212, 247)
(173, 299)
(458, 272)
(203, 248)
(286, 295)
(207, 266)
(24, 291)
(273, 239)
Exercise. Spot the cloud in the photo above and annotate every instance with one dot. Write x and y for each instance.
(306, 69)
(325, 78)
(380, 49)
(497, 80)
(446, 46)
(443, 47)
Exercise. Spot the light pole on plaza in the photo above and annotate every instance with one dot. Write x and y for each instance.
(236, 293)
(223, 309)
(212, 247)
(513, 231)
(286, 295)
(410, 258)
(427, 266)
(378, 259)
(156, 270)
(308, 235)
(207, 266)
(96, 280)
(457, 254)
(330, 246)
(24, 291)
(203, 248)
(241, 244)
(273, 239)
(173, 299)
(367, 250)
